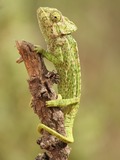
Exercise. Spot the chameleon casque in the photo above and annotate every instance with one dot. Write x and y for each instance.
(62, 51)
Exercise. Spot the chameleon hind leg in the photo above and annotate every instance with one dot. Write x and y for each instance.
(60, 102)
(68, 139)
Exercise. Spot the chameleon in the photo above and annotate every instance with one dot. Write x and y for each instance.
(62, 51)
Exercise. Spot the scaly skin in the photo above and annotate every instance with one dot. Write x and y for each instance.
(62, 51)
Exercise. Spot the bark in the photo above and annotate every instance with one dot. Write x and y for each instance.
(40, 86)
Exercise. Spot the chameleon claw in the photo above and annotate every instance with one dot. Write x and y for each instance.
(38, 49)
(51, 103)
(59, 96)
(54, 103)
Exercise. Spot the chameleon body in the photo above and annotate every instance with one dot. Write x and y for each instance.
(62, 51)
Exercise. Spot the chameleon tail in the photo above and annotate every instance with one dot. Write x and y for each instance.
(68, 139)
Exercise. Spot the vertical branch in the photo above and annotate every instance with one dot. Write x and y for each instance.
(40, 85)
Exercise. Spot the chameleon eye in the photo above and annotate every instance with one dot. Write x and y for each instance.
(55, 16)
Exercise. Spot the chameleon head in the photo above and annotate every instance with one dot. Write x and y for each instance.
(53, 24)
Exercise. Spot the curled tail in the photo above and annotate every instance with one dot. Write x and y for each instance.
(68, 139)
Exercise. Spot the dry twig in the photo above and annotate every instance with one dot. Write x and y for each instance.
(40, 85)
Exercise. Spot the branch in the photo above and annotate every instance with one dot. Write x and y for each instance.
(40, 85)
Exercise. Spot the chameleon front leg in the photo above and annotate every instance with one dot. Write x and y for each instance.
(48, 55)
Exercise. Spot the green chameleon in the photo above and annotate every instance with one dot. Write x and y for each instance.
(62, 51)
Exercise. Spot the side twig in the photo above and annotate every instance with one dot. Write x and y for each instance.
(40, 85)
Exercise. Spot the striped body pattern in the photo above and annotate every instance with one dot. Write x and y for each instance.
(62, 51)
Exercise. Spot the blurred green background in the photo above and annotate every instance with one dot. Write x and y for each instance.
(97, 125)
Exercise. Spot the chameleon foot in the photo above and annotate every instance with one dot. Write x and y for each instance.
(38, 49)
